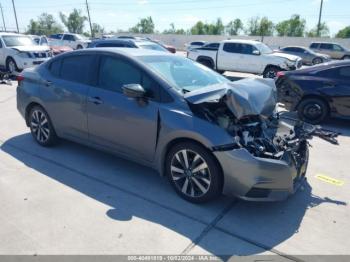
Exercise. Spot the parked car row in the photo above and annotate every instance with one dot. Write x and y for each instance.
(244, 56)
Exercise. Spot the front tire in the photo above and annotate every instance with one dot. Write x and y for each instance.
(346, 57)
(271, 71)
(313, 110)
(79, 47)
(317, 60)
(41, 127)
(11, 66)
(206, 63)
(193, 172)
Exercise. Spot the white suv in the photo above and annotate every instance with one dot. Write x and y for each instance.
(18, 52)
(74, 41)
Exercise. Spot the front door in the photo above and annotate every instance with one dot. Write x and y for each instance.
(117, 122)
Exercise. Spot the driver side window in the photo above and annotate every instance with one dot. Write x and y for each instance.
(114, 73)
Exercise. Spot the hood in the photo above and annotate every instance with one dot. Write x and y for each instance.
(244, 97)
(32, 48)
(287, 56)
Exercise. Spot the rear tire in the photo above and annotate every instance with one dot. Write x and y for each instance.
(41, 127)
(271, 71)
(317, 60)
(193, 172)
(206, 63)
(11, 66)
(313, 110)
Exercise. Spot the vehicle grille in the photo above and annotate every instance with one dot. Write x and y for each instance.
(41, 54)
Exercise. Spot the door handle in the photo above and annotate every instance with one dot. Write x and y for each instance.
(95, 100)
(48, 82)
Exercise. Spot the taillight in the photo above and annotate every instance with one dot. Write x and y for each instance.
(19, 78)
(280, 74)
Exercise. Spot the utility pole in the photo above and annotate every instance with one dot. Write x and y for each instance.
(88, 11)
(3, 19)
(14, 10)
(319, 19)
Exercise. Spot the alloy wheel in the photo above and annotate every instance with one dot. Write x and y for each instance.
(190, 173)
(12, 66)
(312, 111)
(40, 126)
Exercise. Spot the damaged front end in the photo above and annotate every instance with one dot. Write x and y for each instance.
(268, 156)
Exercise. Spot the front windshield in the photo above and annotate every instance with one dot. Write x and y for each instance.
(183, 73)
(151, 46)
(15, 40)
(264, 49)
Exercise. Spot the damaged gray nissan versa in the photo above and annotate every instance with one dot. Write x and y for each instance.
(206, 134)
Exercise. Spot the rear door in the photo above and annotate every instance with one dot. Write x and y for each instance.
(69, 40)
(117, 123)
(65, 91)
(229, 57)
(336, 85)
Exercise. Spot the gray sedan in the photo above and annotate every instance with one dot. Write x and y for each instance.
(308, 56)
(206, 134)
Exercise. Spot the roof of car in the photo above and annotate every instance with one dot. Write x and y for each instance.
(324, 43)
(247, 41)
(297, 46)
(8, 33)
(125, 51)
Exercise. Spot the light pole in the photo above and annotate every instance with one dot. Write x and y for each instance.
(319, 19)
(3, 19)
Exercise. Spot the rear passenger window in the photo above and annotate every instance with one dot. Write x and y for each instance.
(77, 68)
(231, 47)
(55, 67)
(314, 45)
(326, 46)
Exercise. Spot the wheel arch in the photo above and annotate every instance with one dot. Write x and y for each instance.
(206, 58)
(28, 108)
(316, 96)
(175, 141)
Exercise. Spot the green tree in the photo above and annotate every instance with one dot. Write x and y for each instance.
(74, 22)
(44, 25)
(234, 27)
(201, 28)
(260, 27)
(295, 26)
(145, 26)
(97, 29)
(324, 31)
(198, 29)
(344, 33)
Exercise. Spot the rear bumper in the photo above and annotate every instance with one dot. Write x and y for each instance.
(261, 179)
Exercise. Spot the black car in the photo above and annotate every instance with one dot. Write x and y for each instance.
(317, 92)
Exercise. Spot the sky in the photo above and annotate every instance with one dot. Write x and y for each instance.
(123, 14)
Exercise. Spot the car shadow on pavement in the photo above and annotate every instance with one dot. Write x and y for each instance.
(256, 226)
(341, 126)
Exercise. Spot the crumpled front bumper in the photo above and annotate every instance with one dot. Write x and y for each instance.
(261, 179)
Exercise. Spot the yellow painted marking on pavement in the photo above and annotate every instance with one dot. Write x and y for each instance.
(329, 180)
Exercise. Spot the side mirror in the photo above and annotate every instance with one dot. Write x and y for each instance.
(134, 91)
(256, 52)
